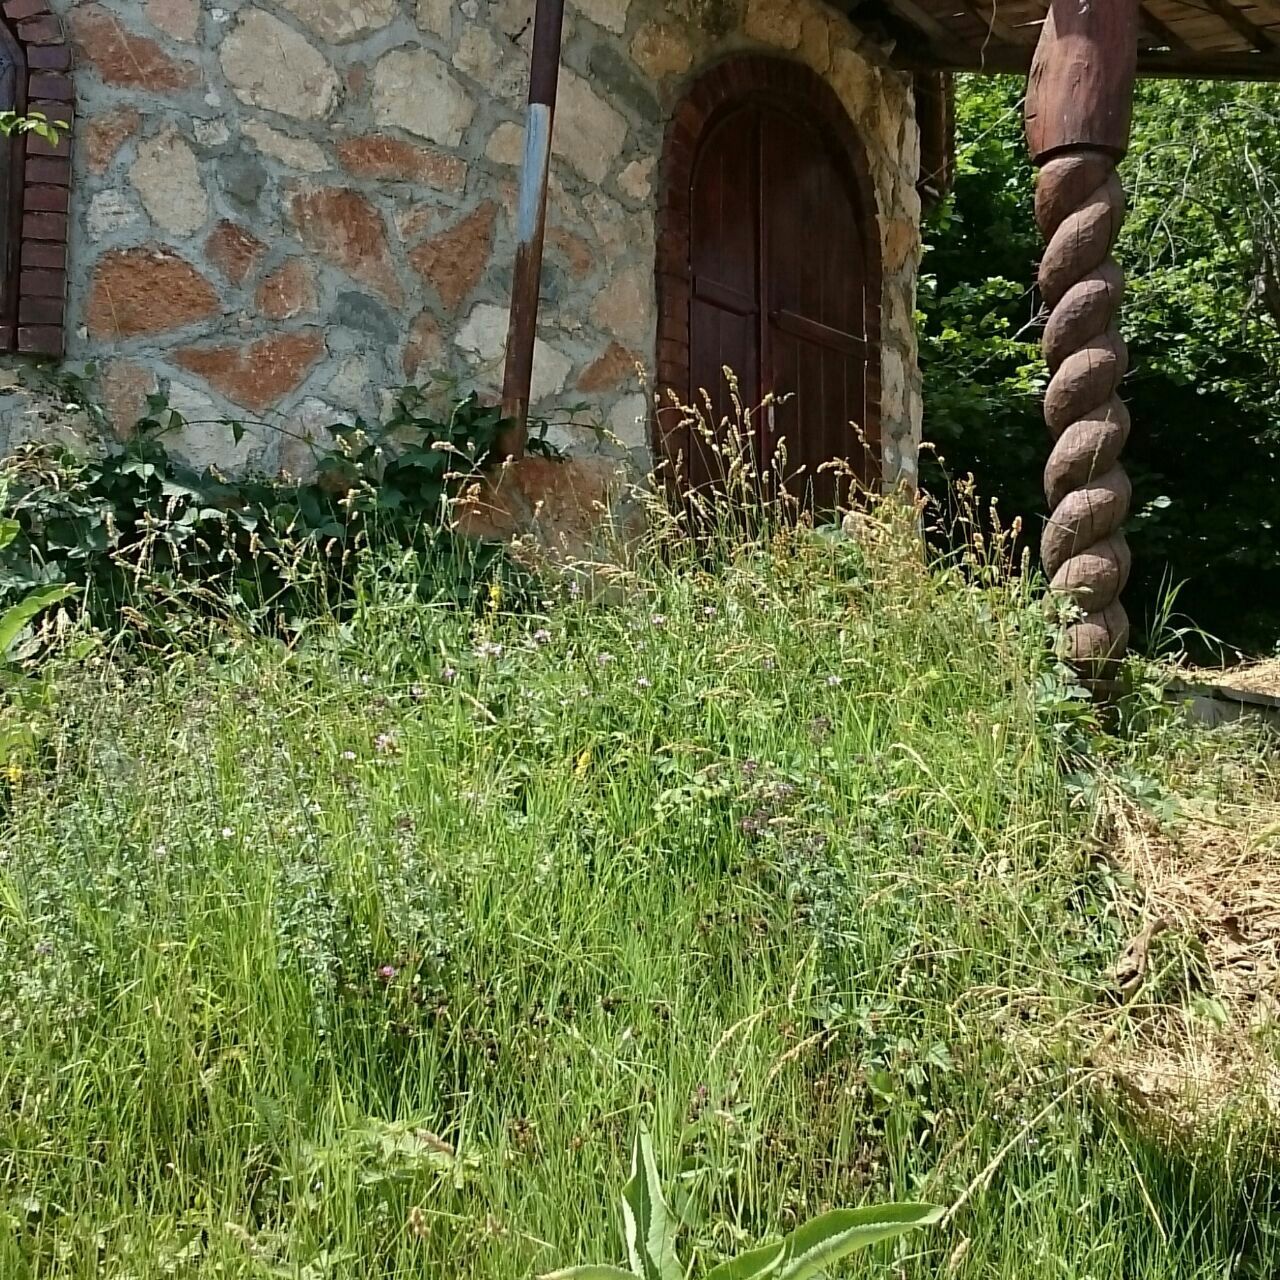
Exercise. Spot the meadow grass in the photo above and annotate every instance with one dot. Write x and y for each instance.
(366, 956)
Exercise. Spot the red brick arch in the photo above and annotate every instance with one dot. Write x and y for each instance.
(714, 91)
(33, 289)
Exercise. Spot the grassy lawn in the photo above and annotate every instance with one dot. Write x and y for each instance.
(367, 957)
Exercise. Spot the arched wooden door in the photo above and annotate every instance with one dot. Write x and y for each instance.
(782, 289)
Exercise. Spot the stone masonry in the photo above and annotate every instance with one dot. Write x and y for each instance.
(282, 209)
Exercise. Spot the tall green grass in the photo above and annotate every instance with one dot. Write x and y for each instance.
(366, 957)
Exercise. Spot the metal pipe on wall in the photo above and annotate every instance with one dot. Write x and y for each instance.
(531, 222)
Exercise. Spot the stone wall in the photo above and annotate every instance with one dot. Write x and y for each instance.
(282, 209)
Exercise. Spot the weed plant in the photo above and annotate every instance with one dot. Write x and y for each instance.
(367, 954)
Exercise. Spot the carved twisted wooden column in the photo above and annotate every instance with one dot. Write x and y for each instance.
(1079, 102)
(1080, 206)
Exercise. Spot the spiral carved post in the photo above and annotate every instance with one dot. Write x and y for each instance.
(1079, 104)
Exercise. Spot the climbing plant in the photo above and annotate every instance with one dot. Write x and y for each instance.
(34, 122)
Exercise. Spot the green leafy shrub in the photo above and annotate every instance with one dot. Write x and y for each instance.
(138, 523)
(21, 711)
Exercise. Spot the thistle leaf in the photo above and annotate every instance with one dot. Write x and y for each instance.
(589, 1272)
(650, 1235)
(814, 1247)
(753, 1265)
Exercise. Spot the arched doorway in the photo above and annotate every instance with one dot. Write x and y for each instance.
(769, 264)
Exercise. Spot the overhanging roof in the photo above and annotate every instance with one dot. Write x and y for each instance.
(1211, 39)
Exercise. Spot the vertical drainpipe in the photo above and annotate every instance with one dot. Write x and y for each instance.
(531, 222)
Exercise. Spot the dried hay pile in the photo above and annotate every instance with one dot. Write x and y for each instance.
(1201, 978)
(1260, 677)
(1255, 677)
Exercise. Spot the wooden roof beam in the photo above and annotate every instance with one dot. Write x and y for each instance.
(1241, 25)
(1269, 8)
(940, 36)
(996, 26)
(1164, 34)
(1002, 60)
(921, 19)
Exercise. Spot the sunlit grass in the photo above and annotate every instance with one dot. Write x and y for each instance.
(366, 958)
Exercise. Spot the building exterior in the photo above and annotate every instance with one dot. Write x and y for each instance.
(278, 210)
(275, 211)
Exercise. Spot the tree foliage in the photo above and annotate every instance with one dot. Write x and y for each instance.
(1201, 249)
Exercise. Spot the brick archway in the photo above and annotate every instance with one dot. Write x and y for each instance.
(716, 91)
(33, 288)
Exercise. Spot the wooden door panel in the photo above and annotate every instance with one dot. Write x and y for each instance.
(814, 293)
(815, 332)
(810, 420)
(724, 313)
(778, 283)
(718, 340)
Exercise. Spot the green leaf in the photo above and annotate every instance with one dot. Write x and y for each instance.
(13, 620)
(9, 530)
(171, 488)
(650, 1236)
(760, 1262)
(589, 1272)
(814, 1247)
